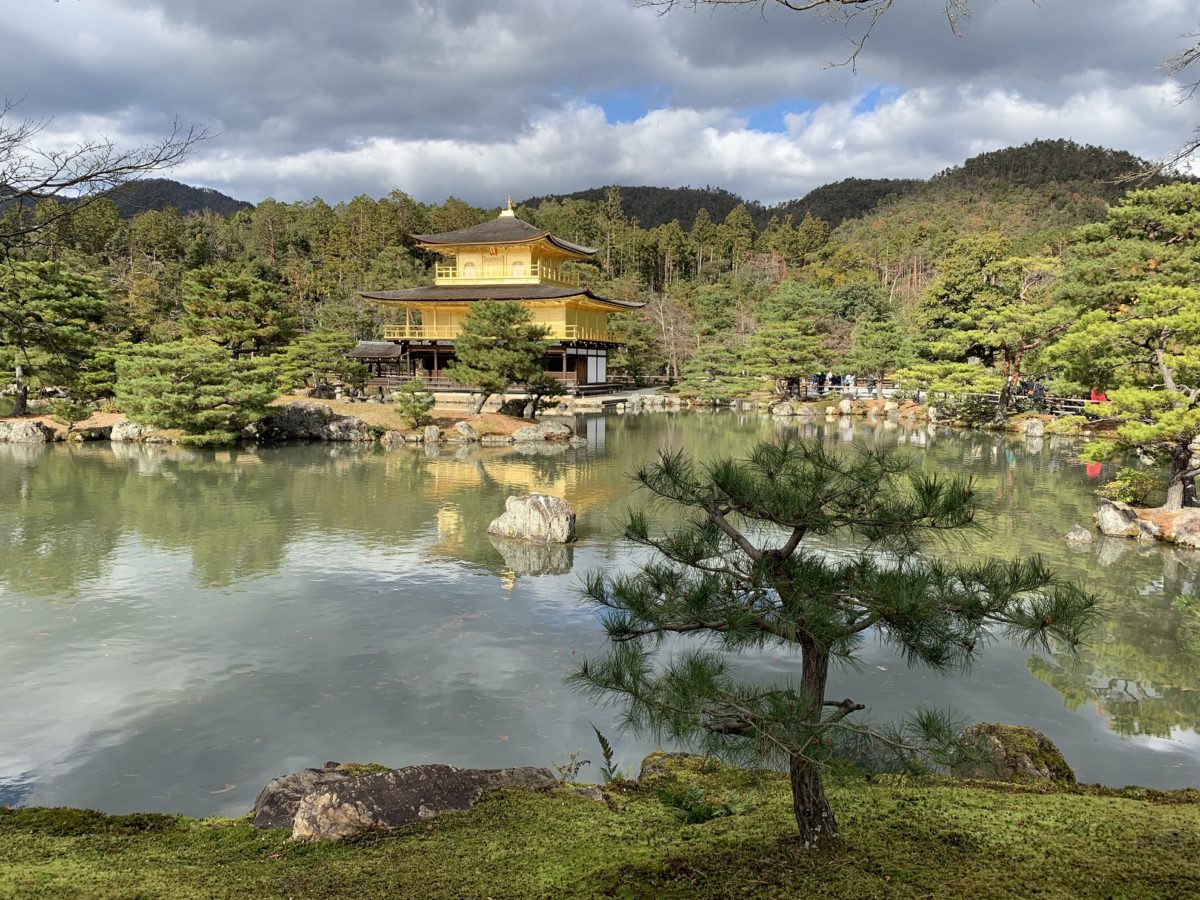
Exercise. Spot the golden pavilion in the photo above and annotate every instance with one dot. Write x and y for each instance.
(505, 259)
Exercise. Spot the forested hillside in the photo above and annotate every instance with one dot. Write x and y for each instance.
(1061, 168)
(160, 193)
(654, 206)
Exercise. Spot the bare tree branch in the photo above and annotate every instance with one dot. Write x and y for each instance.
(30, 173)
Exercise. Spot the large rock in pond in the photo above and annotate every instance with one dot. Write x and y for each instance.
(1034, 428)
(1012, 753)
(536, 517)
(1079, 535)
(1116, 519)
(342, 808)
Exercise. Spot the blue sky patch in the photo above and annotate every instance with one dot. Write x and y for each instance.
(770, 116)
(881, 93)
(630, 104)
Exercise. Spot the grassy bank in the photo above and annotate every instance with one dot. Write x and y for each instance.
(909, 839)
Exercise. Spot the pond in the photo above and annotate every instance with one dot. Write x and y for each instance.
(179, 626)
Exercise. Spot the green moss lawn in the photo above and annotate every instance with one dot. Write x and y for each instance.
(900, 839)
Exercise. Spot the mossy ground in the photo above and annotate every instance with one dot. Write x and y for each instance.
(900, 839)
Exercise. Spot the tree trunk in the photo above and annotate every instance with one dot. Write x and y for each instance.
(879, 388)
(1006, 392)
(21, 398)
(1181, 491)
(814, 817)
(477, 407)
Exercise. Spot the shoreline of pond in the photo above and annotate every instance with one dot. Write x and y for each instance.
(627, 839)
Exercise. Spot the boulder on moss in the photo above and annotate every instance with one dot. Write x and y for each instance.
(276, 804)
(661, 766)
(1012, 753)
(395, 797)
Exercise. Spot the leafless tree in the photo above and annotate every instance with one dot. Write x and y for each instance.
(30, 172)
(1174, 66)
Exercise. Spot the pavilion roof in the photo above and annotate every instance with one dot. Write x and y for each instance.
(455, 293)
(376, 350)
(504, 229)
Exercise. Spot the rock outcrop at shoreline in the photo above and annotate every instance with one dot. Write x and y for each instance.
(1012, 753)
(1174, 526)
(305, 420)
(29, 431)
(337, 802)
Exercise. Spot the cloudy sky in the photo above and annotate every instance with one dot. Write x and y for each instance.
(480, 100)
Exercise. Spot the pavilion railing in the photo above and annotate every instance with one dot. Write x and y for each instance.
(499, 273)
(558, 331)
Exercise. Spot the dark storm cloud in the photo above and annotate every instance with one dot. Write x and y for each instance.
(364, 95)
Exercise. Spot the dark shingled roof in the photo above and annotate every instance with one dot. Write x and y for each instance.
(493, 292)
(501, 230)
(376, 350)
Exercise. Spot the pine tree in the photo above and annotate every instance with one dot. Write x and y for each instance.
(786, 351)
(640, 351)
(791, 341)
(48, 320)
(314, 359)
(499, 345)
(1133, 282)
(716, 373)
(196, 386)
(244, 314)
(413, 401)
(877, 348)
(989, 303)
(744, 566)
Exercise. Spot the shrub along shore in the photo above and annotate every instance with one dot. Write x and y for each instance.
(900, 838)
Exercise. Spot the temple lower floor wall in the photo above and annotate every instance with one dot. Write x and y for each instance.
(571, 364)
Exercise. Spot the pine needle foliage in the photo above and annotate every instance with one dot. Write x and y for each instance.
(413, 402)
(747, 565)
(195, 386)
(499, 345)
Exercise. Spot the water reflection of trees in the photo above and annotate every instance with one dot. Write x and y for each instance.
(1141, 668)
(66, 512)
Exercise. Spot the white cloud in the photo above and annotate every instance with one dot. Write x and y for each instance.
(454, 96)
(912, 134)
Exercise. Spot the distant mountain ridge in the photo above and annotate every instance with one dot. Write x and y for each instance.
(1089, 169)
(135, 197)
(1092, 170)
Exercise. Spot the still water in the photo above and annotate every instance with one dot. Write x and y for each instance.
(178, 626)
